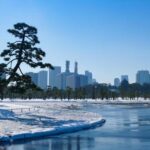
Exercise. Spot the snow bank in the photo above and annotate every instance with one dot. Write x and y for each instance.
(51, 131)
(120, 101)
(111, 101)
(24, 120)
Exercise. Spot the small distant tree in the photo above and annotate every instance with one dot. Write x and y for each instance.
(23, 50)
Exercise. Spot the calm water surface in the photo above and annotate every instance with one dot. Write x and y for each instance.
(126, 127)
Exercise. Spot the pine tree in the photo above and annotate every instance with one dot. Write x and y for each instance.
(23, 50)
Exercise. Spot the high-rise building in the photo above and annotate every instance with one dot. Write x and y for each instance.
(76, 81)
(59, 81)
(142, 77)
(62, 77)
(73, 81)
(42, 79)
(67, 66)
(83, 80)
(34, 77)
(89, 76)
(76, 68)
(124, 77)
(94, 81)
(53, 76)
(62, 80)
(117, 82)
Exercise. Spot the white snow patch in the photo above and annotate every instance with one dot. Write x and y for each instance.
(35, 118)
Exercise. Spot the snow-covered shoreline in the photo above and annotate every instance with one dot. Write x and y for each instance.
(24, 119)
(107, 101)
(119, 101)
(30, 119)
(51, 131)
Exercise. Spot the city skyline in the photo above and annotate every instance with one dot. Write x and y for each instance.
(110, 38)
(141, 76)
(62, 79)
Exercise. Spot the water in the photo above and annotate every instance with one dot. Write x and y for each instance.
(126, 127)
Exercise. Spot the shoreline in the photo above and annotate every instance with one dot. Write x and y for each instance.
(45, 132)
(21, 120)
(96, 101)
(56, 108)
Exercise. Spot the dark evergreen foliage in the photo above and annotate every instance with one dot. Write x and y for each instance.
(23, 50)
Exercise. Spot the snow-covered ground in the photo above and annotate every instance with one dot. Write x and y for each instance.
(120, 101)
(21, 119)
(34, 118)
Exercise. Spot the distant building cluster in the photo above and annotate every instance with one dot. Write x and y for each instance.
(62, 80)
(142, 77)
(67, 79)
(40, 78)
(117, 81)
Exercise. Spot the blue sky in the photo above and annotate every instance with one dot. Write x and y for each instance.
(107, 37)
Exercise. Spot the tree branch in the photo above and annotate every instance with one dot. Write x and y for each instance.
(11, 61)
(16, 42)
(28, 38)
(21, 71)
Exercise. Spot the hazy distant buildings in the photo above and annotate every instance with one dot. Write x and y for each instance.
(39, 79)
(83, 80)
(67, 66)
(142, 77)
(62, 77)
(75, 81)
(34, 77)
(53, 76)
(117, 82)
(76, 68)
(59, 80)
(89, 76)
(62, 80)
(42, 79)
(94, 81)
(124, 77)
(71, 79)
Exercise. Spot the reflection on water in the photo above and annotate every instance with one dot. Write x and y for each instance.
(67, 143)
(126, 127)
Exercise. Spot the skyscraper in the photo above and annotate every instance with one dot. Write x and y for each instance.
(62, 77)
(124, 77)
(72, 79)
(89, 76)
(83, 80)
(76, 68)
(67, 66)
(142, 77)
(117, 82)
(34, 77)
(53, 76)
(42, 79)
